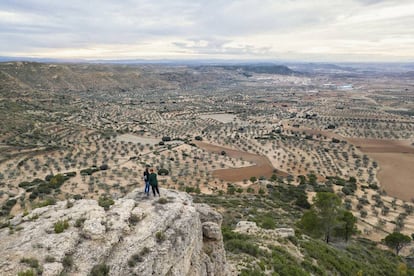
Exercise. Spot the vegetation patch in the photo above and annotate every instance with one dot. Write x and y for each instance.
(160, 236)
(134, 219)
(39, 187)
(32, 263)
(163, 200)
(139, 257)
(79, 222)
(100, 270)
(61, 226)
(105, 202)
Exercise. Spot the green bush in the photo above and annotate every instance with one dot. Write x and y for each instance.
(89, 171)
(79, 222)
(70, 174)
(268, 223)
(239, 243)
(67, 261)
(134, 219)
(231, 189)
(189, 189)
(32, 262)
(61, 226)
(105, 202)
(100, 270)
(160, 236)
(28, 272)
(77, 197)
(242, 246)
(163, 171)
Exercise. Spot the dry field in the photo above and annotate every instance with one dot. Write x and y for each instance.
(396, 161)
(262, 167)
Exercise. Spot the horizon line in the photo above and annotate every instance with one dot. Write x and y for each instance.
(183, 60)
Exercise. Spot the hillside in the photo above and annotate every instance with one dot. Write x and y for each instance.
(31, 76)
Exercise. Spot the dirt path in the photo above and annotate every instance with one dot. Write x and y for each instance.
(262, 167)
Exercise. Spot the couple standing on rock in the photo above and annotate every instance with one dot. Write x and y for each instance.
(150, 178)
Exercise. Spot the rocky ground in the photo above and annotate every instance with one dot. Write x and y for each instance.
(137, 235)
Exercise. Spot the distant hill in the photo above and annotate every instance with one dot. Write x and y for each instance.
(261, 69)
(16, 77)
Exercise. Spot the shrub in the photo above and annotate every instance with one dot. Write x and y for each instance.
(28, 272)
(79, 222)
(163, 200)
(60, 226)
(33, 263)
(57, 181)
(163, 171)
(70, 174)
(239, 243)
(77, 197)
(302, 201)
(160, 236)
(268, 223)
(105, 202)
(231, 189)
(242, 246)
(50, 259)
(89, 171)
(134, 219)
(46, 202)
(136, 258)
(189, 189)
(100, 270)
(67, 261)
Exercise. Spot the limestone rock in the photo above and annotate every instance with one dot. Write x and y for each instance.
(212, 231)
(250, 227)
(136, 236)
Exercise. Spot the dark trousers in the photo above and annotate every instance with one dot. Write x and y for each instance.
(155, 188)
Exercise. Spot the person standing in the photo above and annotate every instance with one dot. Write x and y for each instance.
(147, 183)
(154, 182)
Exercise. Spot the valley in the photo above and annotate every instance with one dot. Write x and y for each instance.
(220, 133)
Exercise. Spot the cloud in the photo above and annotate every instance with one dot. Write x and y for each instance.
(216, 28)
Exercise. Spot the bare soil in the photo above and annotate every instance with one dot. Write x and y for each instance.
(262, 167)
(396, 161)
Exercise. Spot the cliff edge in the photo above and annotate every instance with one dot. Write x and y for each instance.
(135, 236)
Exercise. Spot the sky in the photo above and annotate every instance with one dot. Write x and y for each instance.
(287, 30)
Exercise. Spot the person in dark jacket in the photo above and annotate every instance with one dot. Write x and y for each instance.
(146, 179)
(154, 182)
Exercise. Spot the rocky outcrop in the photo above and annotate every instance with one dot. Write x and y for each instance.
(136, 236)
(250, 227)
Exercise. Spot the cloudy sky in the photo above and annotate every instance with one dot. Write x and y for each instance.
(307, 30)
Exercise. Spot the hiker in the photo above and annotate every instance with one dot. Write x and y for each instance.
(154, 182)
(146, 179)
